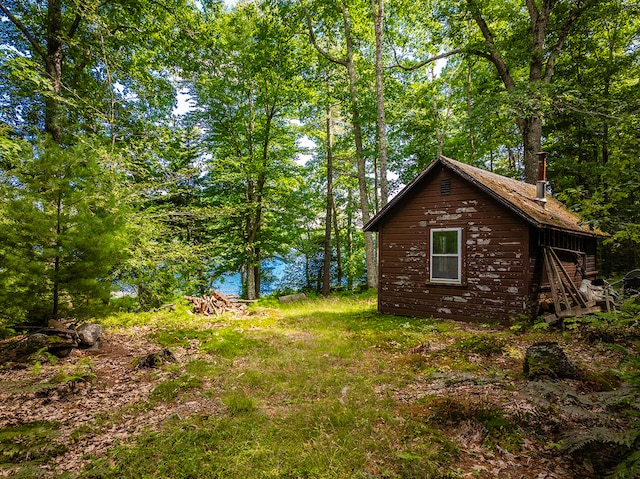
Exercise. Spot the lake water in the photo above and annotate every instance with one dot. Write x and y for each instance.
(277, 273)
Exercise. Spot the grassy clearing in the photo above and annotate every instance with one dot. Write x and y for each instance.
(325, 388)
(298, 384)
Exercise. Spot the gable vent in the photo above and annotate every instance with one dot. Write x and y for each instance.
(445, 187)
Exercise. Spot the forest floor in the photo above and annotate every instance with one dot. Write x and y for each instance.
(324, 388)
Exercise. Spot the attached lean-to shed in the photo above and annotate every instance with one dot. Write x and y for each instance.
(460, 242)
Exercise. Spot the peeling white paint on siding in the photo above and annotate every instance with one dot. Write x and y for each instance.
(493, 301)
(468, 209)
(444, 310)
(484, 241)
(455, 299)
(489, 275)
(483, 287)
(512, 243)
(449, 217)
(512, 290)
(435, 212)
(422, 224)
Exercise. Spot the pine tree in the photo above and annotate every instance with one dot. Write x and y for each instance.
(61, 231)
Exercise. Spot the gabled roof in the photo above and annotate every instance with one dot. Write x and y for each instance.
(515, 195)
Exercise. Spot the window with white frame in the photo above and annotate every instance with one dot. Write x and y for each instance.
(446, 255)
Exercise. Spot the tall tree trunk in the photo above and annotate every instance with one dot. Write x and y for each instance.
(472, 149)
(251, 232)
(307, 264)
(255, 198)
(53, 67)
(257, 270)
(56, 262)
(439, 121)
(251, 279)
(326, 279)
(339, 272)
(531, 129)
(252, 223)
(372, 273)
(377, 9)
(349, 242)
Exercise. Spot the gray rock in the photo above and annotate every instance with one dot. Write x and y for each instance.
(547, 359)
(290, 298)
(89, 334)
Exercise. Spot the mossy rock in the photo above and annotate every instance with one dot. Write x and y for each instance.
(548, 360)
(25, 349)
(155, 360)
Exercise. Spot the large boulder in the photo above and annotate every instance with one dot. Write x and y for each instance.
(548, 360)
(23, 349)
(89, 334)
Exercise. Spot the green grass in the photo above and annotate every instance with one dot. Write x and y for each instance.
(298, 385)
(170, 389)
(29, 445)
(315, 389)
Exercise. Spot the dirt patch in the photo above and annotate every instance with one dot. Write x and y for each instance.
(93, 415)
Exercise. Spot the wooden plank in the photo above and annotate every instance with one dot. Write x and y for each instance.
(580, 299)
(554, 291)
(560, 285)
(577, 312)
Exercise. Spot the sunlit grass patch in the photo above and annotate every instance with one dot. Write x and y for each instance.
(201, 368)
(179, 316)
(229, 343)
(238, 403)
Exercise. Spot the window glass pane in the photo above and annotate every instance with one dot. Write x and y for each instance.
(444, 267)
(445, 242)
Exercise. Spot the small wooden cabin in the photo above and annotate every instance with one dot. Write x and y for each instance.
(463, 243)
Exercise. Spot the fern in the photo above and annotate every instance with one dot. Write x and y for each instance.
(629, 468)
(598, 437)
(608, 450)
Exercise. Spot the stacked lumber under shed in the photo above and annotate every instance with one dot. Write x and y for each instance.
(568, 300)
(216, 304)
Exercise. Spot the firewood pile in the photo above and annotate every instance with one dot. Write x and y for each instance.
(217, 304)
